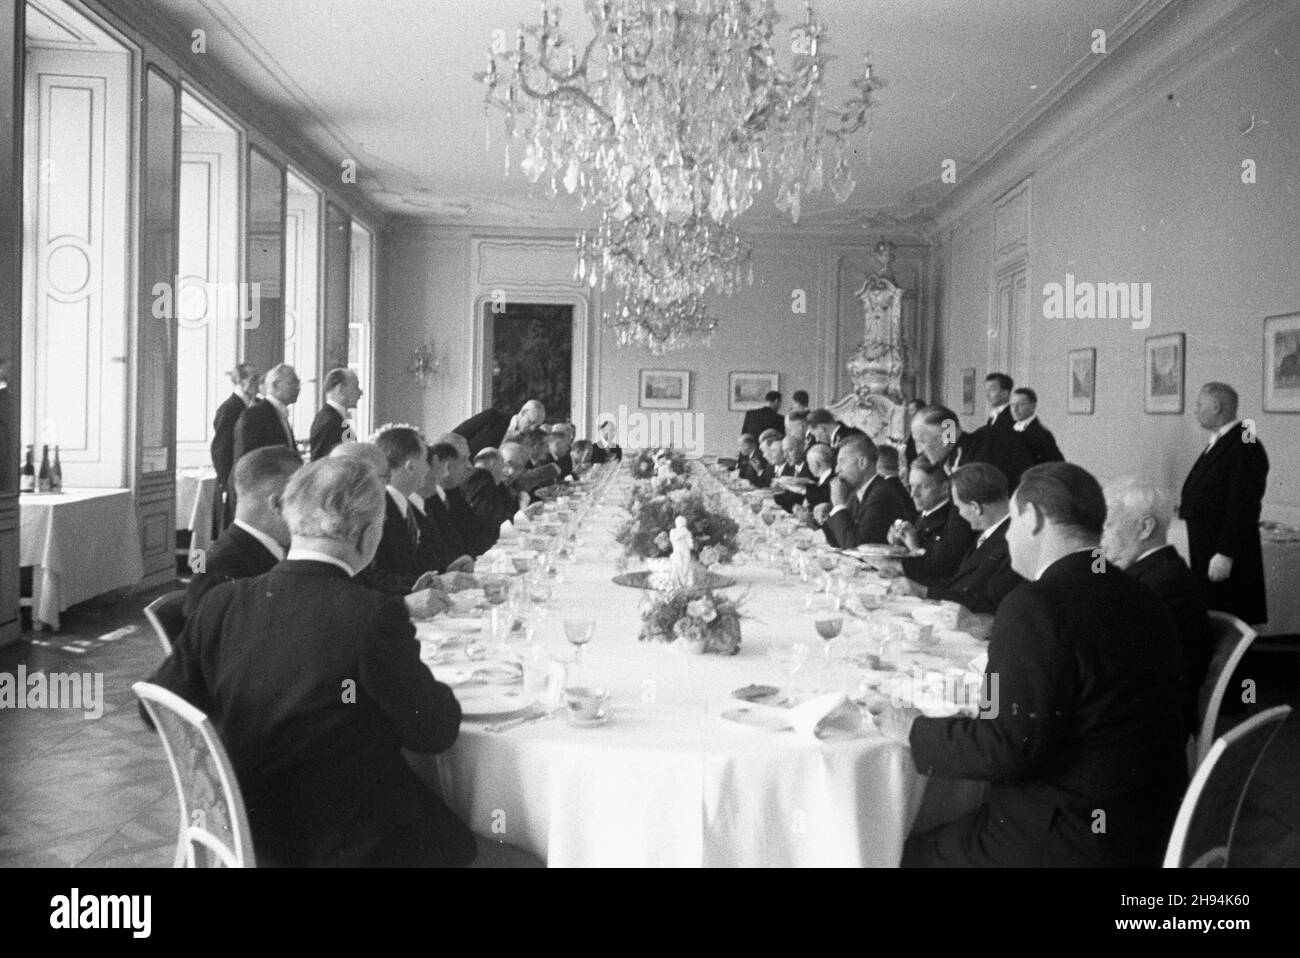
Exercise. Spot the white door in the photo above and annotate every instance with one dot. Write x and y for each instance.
(75, 270)
(209, 299)
(301, 302)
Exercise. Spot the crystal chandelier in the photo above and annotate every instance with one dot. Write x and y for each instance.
(668, 120)
(660, 327)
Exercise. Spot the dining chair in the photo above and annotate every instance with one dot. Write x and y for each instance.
(1207, 819)
(167, 618)
(214, 830)
(1231, 638)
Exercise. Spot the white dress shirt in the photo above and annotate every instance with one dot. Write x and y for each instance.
(270, 544)
(991, 529)
(1023, 424)
(1219, 433)
(996, 411)
(297, 553)
(403, 503)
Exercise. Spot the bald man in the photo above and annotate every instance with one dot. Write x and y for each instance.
(266, 422)
(491, 427)
(333, 424)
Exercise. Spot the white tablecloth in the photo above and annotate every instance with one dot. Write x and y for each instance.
(196, 494)
(668, 782)
(1281, 578)
(80, 543)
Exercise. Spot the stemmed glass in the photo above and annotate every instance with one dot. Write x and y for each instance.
(579, 632)
(829, 562)
(789, 657)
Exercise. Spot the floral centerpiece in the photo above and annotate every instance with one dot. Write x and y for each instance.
(645, 534)
(650, 463)
(695, 620)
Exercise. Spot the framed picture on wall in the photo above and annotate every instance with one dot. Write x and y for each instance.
(746, 391)
(665, 389)
(1163, 390)
(1081, 388)
(968, 391)
(1282, 363)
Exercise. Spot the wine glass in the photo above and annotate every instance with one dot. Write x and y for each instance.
(829, 562)
(579, 632)
(789, 658)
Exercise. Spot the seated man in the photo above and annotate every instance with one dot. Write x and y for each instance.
(820, 460)
(863, 504)
(794, 465)
(488, 491)
(1080, 733)
(765, 464)
(1137, 520)
(444, 545)
(476, 535)
(528, 464)
(558, 450)
(256, 540)
(315, 685)
(745, 456)
(582, 461)
(606, 447)
(940, 530)
(398, 567)
(984, 576)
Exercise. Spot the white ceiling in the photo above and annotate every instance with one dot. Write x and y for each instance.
(389, 82)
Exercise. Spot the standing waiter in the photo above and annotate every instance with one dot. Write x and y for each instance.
(1221, 503)
(246, 381)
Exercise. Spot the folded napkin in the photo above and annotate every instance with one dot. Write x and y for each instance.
(827, 716)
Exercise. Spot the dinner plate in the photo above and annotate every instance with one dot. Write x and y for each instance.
(641, 580)
(878, 550)
(480, 701)
(770, 721)
(495, 674)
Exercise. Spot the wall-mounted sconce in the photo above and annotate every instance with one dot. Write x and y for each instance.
(423, 364)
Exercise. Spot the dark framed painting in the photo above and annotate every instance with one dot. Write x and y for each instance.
(1282, 363)
(968, 391)
(747, 391)
(665, 389)
(1164, 371)
(1081, 385)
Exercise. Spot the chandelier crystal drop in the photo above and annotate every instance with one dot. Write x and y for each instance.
(668, 120)
(660, 327)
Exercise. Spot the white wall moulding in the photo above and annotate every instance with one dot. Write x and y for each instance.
(526, 264)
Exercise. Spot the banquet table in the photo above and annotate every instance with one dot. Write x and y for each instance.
(196, 496)
(81, 543)
(668, 781)
(1281, 548)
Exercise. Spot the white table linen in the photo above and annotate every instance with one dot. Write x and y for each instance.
(668, 782)
(196, 495)
(81, 543)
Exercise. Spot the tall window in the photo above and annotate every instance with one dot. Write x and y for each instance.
(359, 340)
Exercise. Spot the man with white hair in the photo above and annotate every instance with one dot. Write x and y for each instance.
(491, 427)
(246, 381)
(488, 491)
(315, 685)
(1137, 520)
(1221, 504)
(266, 422)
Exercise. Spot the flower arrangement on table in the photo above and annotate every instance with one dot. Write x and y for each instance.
(650, 463)
(695, 620)
(645, 534)
(658, 486)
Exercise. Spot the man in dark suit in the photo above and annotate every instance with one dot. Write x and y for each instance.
(445, 543)
(1137, 520)
(770, 456)
(997, 440)
(1037, 438)
(765, 417)
(820, 460)
(748, 457)
(489, 492)
(258, 537)
(1081, 736)
(332, 424)
(940, 440)
(864, 505)
(606, 447)
(246, 381)
(985, 575)
(266, 422)
(315, 685)
(939, 529)
(1221, 502)
(446, 485)
(491, 427)
(794, 466)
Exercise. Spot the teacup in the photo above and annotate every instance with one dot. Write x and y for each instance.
(585, 704)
